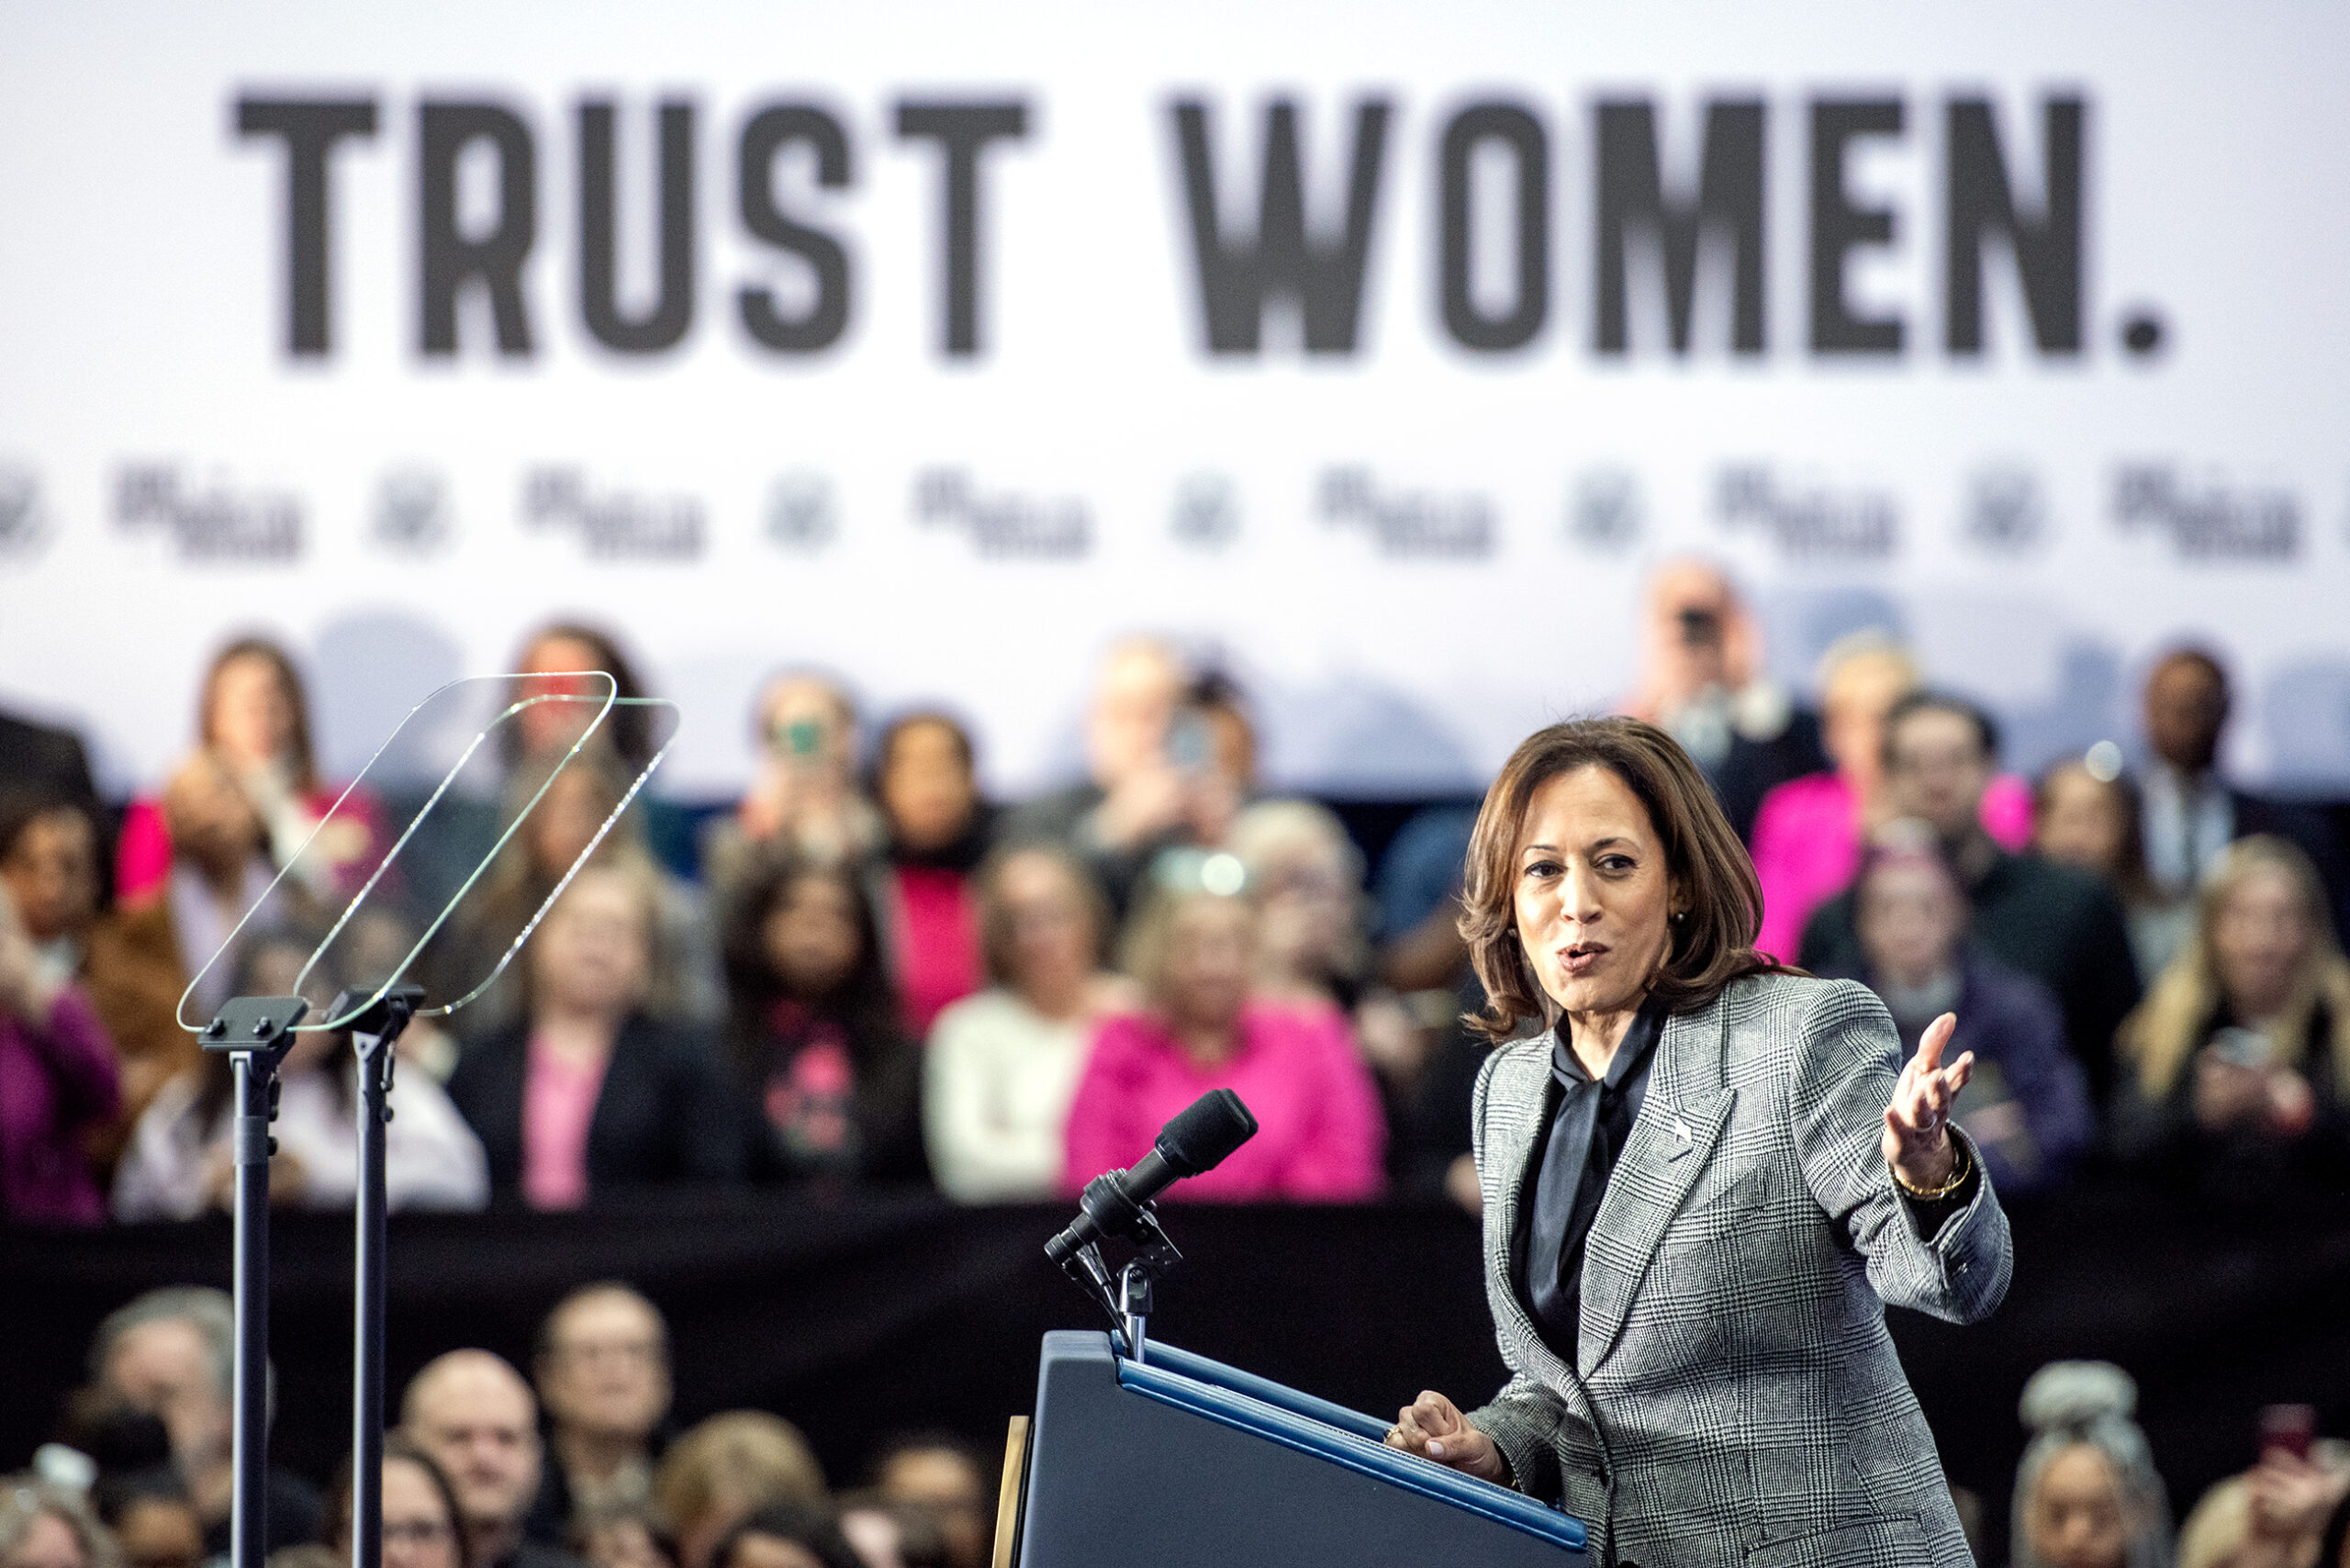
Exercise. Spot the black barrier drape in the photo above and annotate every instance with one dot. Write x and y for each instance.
(856, 1316)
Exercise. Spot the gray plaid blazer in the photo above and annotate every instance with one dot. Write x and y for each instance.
(1740, 1402)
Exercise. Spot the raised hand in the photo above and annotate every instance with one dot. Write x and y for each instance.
(1916, 1123)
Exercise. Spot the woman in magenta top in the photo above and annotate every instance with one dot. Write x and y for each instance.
(1320, 1135)
(926, 780)
(57, 1083)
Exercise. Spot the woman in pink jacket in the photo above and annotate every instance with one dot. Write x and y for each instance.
(1320, 1135)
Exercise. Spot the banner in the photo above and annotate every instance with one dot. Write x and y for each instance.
(1377, 351)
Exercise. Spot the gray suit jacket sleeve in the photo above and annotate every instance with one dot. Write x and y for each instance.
(1522, 1416)
(1836, 1103)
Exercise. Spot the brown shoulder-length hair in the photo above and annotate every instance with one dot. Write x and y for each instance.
(1713, 946)
(299, 756)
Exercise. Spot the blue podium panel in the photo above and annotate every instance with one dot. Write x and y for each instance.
(1181, 1462)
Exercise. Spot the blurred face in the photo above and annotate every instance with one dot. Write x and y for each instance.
(2080, 823)
(1052, 930)
(2186, 707)
(210, 820)
(159, 1532)
(591, 953)
(1852, 709)
(549, 727)
(943, 1481)
(418, 1531)
(477, 1420)
(926, 786)
(1126, 729)
(1211, 956)
(252, 721)
(1689, 605)
(564, 820)
(1308, 904)
(757, 1550)
(807, 725)
(53, 875)
(2260, 940)
(1936, 771)
(49, 1543)
(165, 1369)
(811, 936)
(2075, 1518)
(606, 1370)
(1910, 918)
(1593, 894)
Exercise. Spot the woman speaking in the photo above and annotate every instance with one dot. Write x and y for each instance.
(1701, 1186)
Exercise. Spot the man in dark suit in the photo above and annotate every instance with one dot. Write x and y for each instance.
(2063, 927)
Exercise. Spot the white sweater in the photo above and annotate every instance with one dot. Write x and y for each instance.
(998, 1079)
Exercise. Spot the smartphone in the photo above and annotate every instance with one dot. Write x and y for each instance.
(800, 739)
(2288, 1429)
(2246, 1049)
(1189, 745)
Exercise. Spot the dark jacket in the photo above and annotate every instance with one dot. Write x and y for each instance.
(663, 1116)
(2063, 927)
(2161, 1135)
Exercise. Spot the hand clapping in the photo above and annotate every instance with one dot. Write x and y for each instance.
(1917, 1132)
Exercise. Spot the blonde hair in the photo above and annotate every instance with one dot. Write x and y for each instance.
(1150, 933)
(2221, 1523)
(736, 1461)
(2163, 1033)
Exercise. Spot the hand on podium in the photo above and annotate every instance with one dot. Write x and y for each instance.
(1434, 1428)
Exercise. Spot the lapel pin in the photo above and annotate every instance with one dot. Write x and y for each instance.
(1680, 1131)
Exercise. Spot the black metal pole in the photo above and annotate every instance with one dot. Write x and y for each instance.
(249, 1505)
(374, 1032)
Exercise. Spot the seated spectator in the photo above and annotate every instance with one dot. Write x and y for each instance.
(179, 1163)
(1157, 778)
(219, 870)
(422, 1525)
(830, 1082)
(474, 1416)
(1418, 894)
(945, 1478)
(45, 1525)
(592, 1093)
(2087, 1492)
(2192, 813)
(124, 960)
(172, 1354)
(804, 799)
(542, 730)
(1808, 831)
(151, 1519)
(253, 722)
(58, 1086)
(2087, 816)
(725, 1469)
(2239, 1062)
(1701, 682)
(1194, 946)
(2027, 1104)
(924, 775)
(786, 1535)
(2285, 1512)
(603, 1376)
(2059, 926)
(1002, 1066)
(1307, 875)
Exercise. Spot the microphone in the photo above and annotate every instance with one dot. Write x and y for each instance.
(1197, 1140)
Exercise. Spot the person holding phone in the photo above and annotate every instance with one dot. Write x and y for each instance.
(805, 799)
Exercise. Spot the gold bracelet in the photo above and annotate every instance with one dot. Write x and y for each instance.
(1928, 1195)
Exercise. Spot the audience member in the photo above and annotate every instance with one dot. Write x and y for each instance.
(123, 959)
(46, 759)
(1307, 878)
(891, 1535)
(1417, 891)
(2239, 1061)
(1002, 1066)
(544, 728)
(171, 1353)
(2191, 812)
(1194, 946)
(831, 1080)
(2282, 1513)
(58, 1086)
(2027, 1104)
(620, 1536)
(180, 1160)
(1154, 781)
(945, 1478)
(1701, 682)
(45, 1525)
(724, 1470)
(2059, 926)
(219, 870)
(591, 1092)
(786, 1535)
(423, 1526)
(603, 1376)
(1808, 831)
(152, 1521)
(804, 799)
(2089, 816)
(2087, 1492)
(926, 778)
(474, 1416)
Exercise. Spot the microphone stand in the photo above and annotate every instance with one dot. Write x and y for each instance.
(1130, 1305)
(254, 1032)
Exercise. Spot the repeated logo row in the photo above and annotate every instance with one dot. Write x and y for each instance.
(2003, 510)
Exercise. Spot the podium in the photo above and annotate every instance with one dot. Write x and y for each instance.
(1179, 1461)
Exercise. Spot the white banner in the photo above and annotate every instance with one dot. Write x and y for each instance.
(1382, 347)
